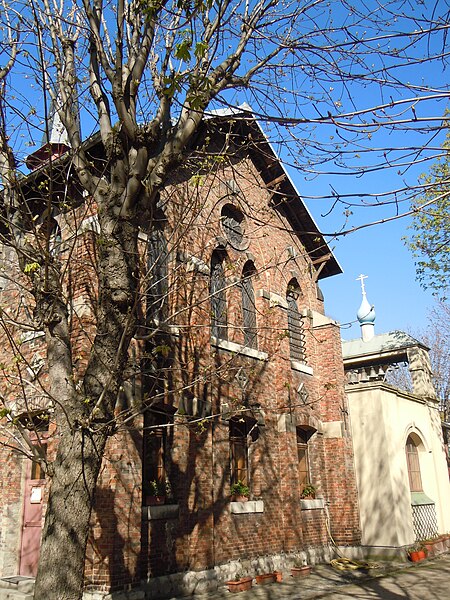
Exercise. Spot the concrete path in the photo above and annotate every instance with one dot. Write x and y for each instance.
(428, 580)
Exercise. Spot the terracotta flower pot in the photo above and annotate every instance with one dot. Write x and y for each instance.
(414, 556)
(241, 585)
(266, 578)
(301, 571)
(155, 500)
(236, 498)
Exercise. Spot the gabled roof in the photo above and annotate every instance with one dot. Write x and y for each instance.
(286, 198)
(386, 346)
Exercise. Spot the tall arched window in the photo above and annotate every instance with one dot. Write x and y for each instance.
(218, 296)
(413, 463)
(249, 306)
(157, 275)
(304, 434)
(243, 430)
(295, 323)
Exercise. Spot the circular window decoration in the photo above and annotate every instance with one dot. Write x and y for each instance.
(233, 226)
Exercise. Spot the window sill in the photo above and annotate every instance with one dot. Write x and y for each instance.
(312, 504)
(420, 499)
(298, 366)
(238, 349)
(164, 511)
(246, 508)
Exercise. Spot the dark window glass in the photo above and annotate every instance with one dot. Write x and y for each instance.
(240, 428)
(233, 225)
(249, 306)
(218, 297)
(38, 468)
(295, 324)
(157, 272)
(155, 448)
(304, 435)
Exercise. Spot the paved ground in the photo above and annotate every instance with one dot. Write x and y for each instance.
(428, 580)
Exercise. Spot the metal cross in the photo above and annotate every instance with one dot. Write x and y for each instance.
(361, 278)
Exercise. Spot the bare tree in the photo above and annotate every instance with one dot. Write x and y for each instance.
(144, 75)
(436, 336)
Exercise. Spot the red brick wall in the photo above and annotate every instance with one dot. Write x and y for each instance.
(122, 548)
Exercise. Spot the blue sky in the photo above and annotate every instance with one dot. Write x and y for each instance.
(377, 251)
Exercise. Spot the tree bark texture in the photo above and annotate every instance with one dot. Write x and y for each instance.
(67, 519)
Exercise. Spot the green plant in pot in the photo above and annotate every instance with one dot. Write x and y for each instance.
(240, 491)
(240, 583)
(309, 491)
(158, 492)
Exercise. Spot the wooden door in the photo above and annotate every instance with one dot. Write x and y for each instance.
(32, 519)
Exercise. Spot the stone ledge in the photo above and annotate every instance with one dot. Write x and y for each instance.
(238, 348)
(298, 366)
(312, 504)
(244, 508)
(163, 511)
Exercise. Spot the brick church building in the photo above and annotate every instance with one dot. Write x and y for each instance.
(236, 375)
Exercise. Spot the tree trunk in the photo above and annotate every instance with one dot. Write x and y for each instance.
(66, 529)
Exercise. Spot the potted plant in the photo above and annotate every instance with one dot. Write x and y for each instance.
(240, 492)
(157, 492)
(446, 540)
(240, 584)
(308, 492)
(300, 570)
(266, 578)
(416, 553)
(431, 546)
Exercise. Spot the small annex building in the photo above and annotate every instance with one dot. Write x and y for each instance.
(400, 458)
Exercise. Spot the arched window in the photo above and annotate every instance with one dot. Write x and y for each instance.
(218, 296)
(412, 461)
(241, 428)
(295, 323)
(233, 225)
(304, 435)
(158, 440)
(249, 306)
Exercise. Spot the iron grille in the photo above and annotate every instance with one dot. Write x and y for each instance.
(425, 521)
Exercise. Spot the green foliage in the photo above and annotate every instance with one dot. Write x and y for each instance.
(31, 268)
(183, 50)
(308, 491)
(200, 50)
(240, 489)
(4, 412)
(430, 240)
(159, 488)
(162, 349)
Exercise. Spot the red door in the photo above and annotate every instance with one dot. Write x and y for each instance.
(32, 519)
